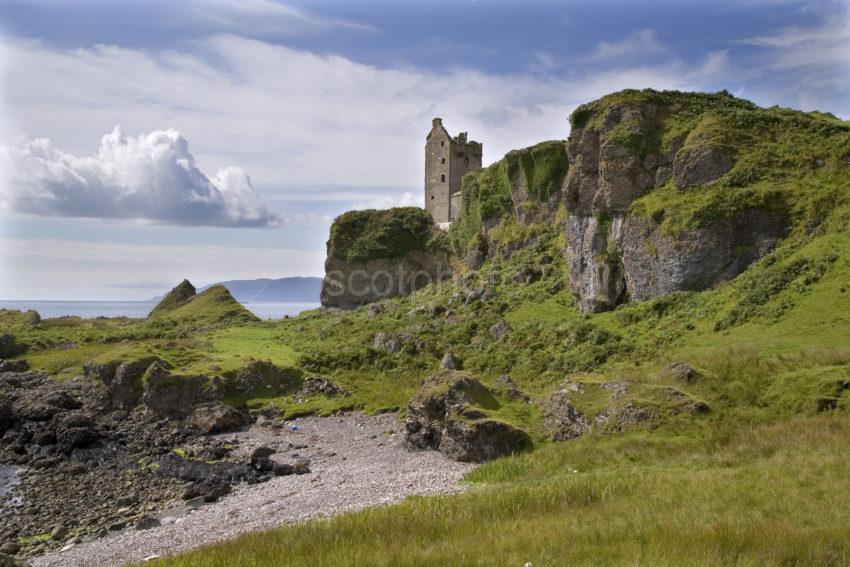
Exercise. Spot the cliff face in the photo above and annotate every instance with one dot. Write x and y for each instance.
(620, 151)
(373, 255)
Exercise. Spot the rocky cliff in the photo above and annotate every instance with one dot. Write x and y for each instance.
(375, 254)
(656, 192)
(627, 145)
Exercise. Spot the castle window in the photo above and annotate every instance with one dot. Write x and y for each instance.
(443, 178)
(432, 197)
(442, 143)
(443, 160)
(466, 161)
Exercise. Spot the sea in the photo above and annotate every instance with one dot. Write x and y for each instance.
(140, 309)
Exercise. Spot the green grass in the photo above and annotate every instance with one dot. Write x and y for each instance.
(755, 497)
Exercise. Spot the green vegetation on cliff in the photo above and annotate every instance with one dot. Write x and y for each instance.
(783, 160)
(489, 193)
(361, 236)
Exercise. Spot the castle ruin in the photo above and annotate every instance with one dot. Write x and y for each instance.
(447, 160)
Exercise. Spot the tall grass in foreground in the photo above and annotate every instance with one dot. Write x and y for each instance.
(771, 495)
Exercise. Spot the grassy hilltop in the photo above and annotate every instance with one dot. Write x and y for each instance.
(758, 476)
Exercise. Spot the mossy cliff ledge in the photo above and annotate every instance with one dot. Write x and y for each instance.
(629, 144)
(376, 254)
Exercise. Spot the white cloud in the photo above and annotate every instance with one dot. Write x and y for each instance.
(406, 199)
(295, 118)
(29, 268)
(152, 177)
(641, 43)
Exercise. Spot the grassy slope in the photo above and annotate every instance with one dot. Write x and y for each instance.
(760, 479)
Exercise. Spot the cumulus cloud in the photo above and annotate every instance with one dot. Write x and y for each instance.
(152, 177)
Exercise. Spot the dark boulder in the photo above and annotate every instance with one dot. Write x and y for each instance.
(217, 417)
(14, 366)
(172, 396)
(10, 346)
(450, 415)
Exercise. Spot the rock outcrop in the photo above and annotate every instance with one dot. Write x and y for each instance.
(374, 255)
(182, 294)
(619, 150)
(450, 415)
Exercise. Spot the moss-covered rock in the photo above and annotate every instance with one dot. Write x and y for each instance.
(358, 237)
(450, 414)
(374, 255)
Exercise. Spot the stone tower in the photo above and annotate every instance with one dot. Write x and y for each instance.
(447, 160)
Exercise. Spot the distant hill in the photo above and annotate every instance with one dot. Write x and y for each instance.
(298, 289)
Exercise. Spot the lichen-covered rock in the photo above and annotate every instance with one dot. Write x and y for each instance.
(683, 403)
(387, 343)
(170, 395)
(216, 417)
(449, 362)
(562, 418)
(318, 385)
(623, 417)
(512, 391)
(681, 372)
(699, 166)
(449, 414)
(499, 329)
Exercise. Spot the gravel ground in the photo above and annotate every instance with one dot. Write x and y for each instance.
(356, 461)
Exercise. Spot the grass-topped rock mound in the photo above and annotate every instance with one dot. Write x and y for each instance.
(374, 254)
(213, 307)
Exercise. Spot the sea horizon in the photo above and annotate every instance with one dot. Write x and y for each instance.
(139, 309)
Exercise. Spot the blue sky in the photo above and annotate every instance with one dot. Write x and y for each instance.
(247, 125)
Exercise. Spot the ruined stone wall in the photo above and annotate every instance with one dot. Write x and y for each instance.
(465, 157)
(454, 211)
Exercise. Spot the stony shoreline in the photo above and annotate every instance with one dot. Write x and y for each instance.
(356, 461)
